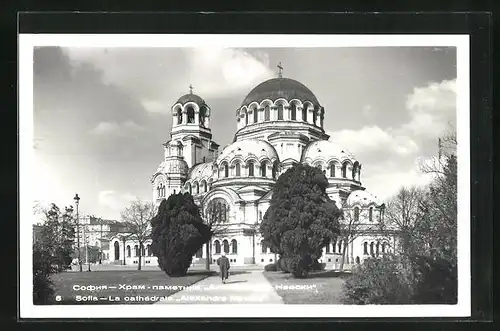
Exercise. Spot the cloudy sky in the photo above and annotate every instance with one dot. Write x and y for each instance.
(102, 114)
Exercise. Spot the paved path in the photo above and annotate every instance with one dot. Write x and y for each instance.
(250, 287)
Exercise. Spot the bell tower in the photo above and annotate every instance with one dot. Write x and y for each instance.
(191, 127)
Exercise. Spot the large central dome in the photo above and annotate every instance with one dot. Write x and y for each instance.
(276, 88)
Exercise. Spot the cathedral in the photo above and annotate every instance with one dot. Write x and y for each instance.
(280, 122)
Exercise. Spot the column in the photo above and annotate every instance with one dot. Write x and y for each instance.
(197, 116)
(286, 113)
(184, 117)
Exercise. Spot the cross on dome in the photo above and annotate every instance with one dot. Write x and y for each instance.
(190, 89)
(280, 72)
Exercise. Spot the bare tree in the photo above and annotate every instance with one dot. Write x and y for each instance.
(351, 227)
(216, 216)
(138, 219)
(401, 215)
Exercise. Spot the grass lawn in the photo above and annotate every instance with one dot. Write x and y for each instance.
(326, 286)
(65, 282)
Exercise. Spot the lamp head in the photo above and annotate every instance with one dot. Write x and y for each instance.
(76, 198)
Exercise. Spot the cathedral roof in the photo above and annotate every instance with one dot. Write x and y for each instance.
(244, 149)
(325, 150)
(201, 170)
(362, 198)
(173, 165)
(191, 97)
(276, 88)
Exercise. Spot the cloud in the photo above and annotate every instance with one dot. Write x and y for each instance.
(386, 183)
(159, 76)
(367, 111)
(114, 128)
(371, 142)
(115, 201)
(432, 109)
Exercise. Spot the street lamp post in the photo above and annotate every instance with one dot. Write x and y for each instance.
(77, 200)
(86, 237)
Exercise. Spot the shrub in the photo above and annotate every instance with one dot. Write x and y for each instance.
(437, 281)
(43, 290)
(178, 232)
(301, 218)
(379, 281)
(318, 266)
(271, 267)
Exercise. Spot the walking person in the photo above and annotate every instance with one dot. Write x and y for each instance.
(223, 263)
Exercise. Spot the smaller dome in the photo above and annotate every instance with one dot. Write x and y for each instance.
(190, 97)
(250, 147)
(326, 150)
(173, 165)
(362, 198)
(201, 171)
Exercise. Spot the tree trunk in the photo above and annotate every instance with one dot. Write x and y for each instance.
(344, 249)
(140, 256)
(207, 253)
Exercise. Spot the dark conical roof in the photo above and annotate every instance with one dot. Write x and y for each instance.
(276, 88)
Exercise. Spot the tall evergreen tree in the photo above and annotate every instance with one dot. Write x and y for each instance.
(301, 218)
(178, 232)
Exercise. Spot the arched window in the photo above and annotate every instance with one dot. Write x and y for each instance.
(365, 248)
(372, 253)
(370, 214)
(128, 250)
(357, 260)
(304, 114)
(234, 246)
(196, 188)
(377, 248)
(148, 249)
(356, 214)
(238, 169)
(250, 169)
(190, 114)
(267, 113)
(293, 110)
(275, 170)
(179, 116)
(332, 169)
(354, 171)
(383, 247)
(340, 246)
(136, 250)
(117, 250)
(225, 245)
(327, 250)
(344, 170)
(143, 250)
(315, 115)
(217, 247)
(334, 245)
(263, 168)
(188, 187)
(264, 247)
(255, 115)
(319, 167)
(280, 112)
(226, 170)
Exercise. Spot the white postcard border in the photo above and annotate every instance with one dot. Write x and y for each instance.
(26, 163)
